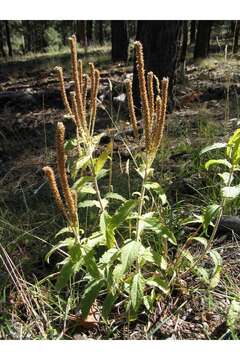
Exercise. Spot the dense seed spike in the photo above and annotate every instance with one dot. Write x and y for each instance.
(80, 74)
(162, 113)
(92, 83)
(59, 71)
(63, 174)
(131, 109)
(76, 76)
(143, 91)
(95, 92)
(54, 188)
(150, 95)
(84, 92)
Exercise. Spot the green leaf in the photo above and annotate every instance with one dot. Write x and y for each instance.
(217, 260)
(213, 147)
(153, 223)
(209, 215)
(187, 255)
(114, 196)
(145, 255)
(230, 192)
(227, 178)
(89, 296)
(149, 300)
(91, 265)
(89, 203)
(108, 304)
(67, 242)
(63, 231)
(88, 189)
(202, 273)
(158, 190)
(158, 282)
(201, 240)
(118, 273)
(65, 275)
(75, 252)
(109, 256)
(79, 164)
(137, 291)
(129, 253)
(160, 260)
(79, 184)
(233, 317)
(122, 213)
(143, 221)
(96, 238)
(107, 229)
(101, 160)
(215, 278)
(70, 144)
(233, 147)
(102, 173)
(218, 162)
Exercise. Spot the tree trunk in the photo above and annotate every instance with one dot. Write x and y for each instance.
(120, 40)
(8, 37)
(203, 39)
(236, 35)
(193, 32)
(43, 43)
(160, 40)
(184, 41)
(27, 36)
(232, 27)
(64, 26)
(2, 40)
(100, 32)
(82, 32)
(89, 31)
(183, 53)
(132, 28)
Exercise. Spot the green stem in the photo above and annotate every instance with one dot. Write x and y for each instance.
(96, 184)
(140, 206)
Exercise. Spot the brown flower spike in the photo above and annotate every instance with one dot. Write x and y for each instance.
(143, 91)
(63, 174)
(75, 74)
(131, 109)
(59, 71)
(54, 188)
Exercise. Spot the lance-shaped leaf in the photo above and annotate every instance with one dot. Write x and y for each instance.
(218, 162)
(213, 147)
(137, 291)
(89, 296)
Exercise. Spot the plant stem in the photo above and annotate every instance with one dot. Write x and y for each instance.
(96, 184)
(141, 202)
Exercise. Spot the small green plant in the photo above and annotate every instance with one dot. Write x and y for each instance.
(53, 39)
(233, 319)
(229, 187)
(128, 255)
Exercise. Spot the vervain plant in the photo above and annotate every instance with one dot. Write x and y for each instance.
(129, 254)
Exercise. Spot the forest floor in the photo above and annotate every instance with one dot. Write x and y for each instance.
(207, 110)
